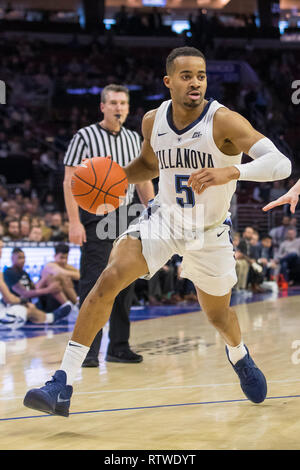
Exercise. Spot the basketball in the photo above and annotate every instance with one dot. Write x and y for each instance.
(99, 185)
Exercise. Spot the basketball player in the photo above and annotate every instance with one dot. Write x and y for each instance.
(195, 145)
(291, 197)
(108, 137)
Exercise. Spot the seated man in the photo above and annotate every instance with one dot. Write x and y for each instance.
(248, 249)
(241, 266)
(59, 269)
(15, 310)
(266, 257)
(20, 283)
(288, 256)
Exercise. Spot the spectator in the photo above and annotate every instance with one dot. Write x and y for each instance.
(293, 223)
(261, 193)
(27, 189)
(58, 234)
(20, 283)
(16, 310)
(277, 190)
(13, 231)
(249, 252)
(49, 205)
(66, 272)
(40, 222)
(289, 256)
(48, 161)
(254, 242)
(13, 212)
(266, 257)
(278, 234)
(242, 265)
(2, 230)
(25, 228)
(36, 235)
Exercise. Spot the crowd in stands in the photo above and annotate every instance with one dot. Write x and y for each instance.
(41, 115)
(202, 24)
(24, 217)
(273, 257)
(151, 21)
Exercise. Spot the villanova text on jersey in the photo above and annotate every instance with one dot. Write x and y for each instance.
(184, 158)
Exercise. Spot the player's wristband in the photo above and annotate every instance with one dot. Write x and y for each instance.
(23, 301)
(269, 164)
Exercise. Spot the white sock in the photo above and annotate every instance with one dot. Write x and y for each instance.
(236, 352)
(49, 318)
(74, 356)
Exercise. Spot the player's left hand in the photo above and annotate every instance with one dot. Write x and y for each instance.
(202, 179)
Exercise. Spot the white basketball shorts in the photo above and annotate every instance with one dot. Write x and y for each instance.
(208, 261)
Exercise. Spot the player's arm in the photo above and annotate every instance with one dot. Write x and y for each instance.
(20, 290)
(70, 271)
(145, 166)
(77, 233)
(291, 197)
(53, 269)
(8, 297)
(145, 192)
(268, 164)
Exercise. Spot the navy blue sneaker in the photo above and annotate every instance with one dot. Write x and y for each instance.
(252, 380)
(54, 398)
(62, 311)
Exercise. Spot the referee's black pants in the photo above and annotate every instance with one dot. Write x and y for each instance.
(94, 259)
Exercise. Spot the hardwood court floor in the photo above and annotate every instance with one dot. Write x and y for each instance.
(184, 395)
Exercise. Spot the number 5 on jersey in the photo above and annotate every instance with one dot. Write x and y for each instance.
(182, 188)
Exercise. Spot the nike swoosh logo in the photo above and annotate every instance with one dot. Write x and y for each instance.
(61, 400)
(75, 345)
(164, 133)
(219, 234)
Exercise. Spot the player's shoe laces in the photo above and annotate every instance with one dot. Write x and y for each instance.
(53, 398)
(252, 380)
(62, 311)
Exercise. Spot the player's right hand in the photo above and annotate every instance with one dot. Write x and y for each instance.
(291, 197)
(77, 233)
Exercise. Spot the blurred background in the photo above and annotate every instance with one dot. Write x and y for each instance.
(57, 56)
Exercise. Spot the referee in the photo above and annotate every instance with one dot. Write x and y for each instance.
(106, 138)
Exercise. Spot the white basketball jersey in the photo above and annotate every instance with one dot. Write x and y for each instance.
(182, 152)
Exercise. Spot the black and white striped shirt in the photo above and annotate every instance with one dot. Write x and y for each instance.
(95, 141)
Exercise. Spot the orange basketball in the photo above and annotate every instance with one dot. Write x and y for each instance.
(99, 185)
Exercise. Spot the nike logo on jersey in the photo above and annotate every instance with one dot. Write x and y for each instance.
(163, 133)
(75, 345)
(219, 234)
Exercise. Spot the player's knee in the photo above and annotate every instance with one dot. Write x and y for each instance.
(110, 282)
(218, 317)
